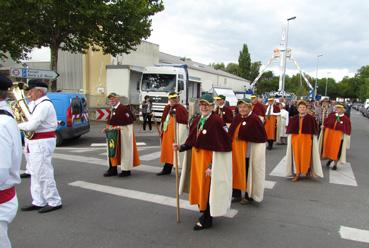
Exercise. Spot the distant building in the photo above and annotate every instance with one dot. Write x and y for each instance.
(87, 72)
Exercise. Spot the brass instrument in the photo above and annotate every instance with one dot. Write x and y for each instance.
(19, 106)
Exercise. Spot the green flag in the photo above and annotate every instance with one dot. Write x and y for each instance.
(112, 136)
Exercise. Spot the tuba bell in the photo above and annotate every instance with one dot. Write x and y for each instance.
(19, 106)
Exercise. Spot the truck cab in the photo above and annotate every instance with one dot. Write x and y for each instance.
(158, 81)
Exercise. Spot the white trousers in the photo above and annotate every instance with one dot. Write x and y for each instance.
(43, 185)
(25, 152)
(8, 210)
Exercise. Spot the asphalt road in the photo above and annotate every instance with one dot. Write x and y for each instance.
(136, 211)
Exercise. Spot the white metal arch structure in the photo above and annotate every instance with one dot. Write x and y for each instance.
(277, 56)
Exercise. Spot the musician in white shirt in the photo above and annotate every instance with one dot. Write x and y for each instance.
(43, 121)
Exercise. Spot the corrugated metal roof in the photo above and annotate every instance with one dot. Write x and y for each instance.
(171, 59)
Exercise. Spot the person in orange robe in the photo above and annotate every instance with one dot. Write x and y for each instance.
(174, 113)
(210, 174)
(271, 113)
(337, 130)
(302, 127)
(247, 131)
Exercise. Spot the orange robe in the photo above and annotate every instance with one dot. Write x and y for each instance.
(270, 126)
(332, 143)
(167, 141)
(301, 147)
(136, 156)
(117, 159)
(239, 150)
(199, 182)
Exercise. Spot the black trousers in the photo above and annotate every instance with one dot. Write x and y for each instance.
(146, 119)
(206, 220)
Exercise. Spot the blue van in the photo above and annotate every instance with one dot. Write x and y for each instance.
(72, 113)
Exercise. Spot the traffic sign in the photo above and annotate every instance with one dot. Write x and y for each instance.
(33, 73)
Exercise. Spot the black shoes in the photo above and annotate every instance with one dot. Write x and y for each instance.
(198, 226)
(48, 208)
(25, 175)
(167, 170)
(41, 210)
(31, 208)
(328, 163)
(111, 172)
(114, 172)
(124, 174)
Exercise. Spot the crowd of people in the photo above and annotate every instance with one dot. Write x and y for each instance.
(221, 151)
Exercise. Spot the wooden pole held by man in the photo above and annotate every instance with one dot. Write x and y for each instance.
(176, 166)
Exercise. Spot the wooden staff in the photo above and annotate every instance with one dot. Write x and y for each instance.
(176, 165)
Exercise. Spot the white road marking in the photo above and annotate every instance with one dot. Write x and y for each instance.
(80, 150)
(269, 184)
(142, 196)
(98, 144)
(150, 156)
(102, 162)
(104, 144)
(143, 148)
(343, 175)
(354, 234)
(142, 167)
(280, 169)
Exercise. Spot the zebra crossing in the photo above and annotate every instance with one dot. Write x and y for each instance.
(343, 176)
(149, 154)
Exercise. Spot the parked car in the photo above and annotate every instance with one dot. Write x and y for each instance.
(362, 110)
(366, 112)
(72, 113)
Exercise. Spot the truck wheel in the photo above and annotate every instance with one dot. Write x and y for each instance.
(59, 139)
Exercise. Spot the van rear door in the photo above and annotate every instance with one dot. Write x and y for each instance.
(79, 111)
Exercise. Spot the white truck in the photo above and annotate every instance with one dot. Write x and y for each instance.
(159, 80)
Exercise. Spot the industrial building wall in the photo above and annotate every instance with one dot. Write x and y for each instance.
(70, 69)
(209, 80)
(146, 54)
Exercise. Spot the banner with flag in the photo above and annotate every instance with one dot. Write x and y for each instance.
(113, 142)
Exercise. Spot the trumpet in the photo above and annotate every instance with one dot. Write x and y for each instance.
(19, 106)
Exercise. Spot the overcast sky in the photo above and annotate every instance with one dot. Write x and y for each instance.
(214, 31)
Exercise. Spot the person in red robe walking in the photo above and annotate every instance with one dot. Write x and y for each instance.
(302, 150)
(336, 137)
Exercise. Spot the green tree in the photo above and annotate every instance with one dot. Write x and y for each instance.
(233, 68)
(254, 70)
(113, 26)
(218, 66)
(244, 62)
(267, 82)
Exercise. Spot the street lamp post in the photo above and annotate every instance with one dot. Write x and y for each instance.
(326, 83)
(285, 54)
(316, 79)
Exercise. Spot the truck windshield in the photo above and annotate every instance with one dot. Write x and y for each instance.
(158, 82)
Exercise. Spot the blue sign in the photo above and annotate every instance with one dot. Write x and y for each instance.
(24, 72)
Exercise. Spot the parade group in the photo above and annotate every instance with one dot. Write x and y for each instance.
(220, 151)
